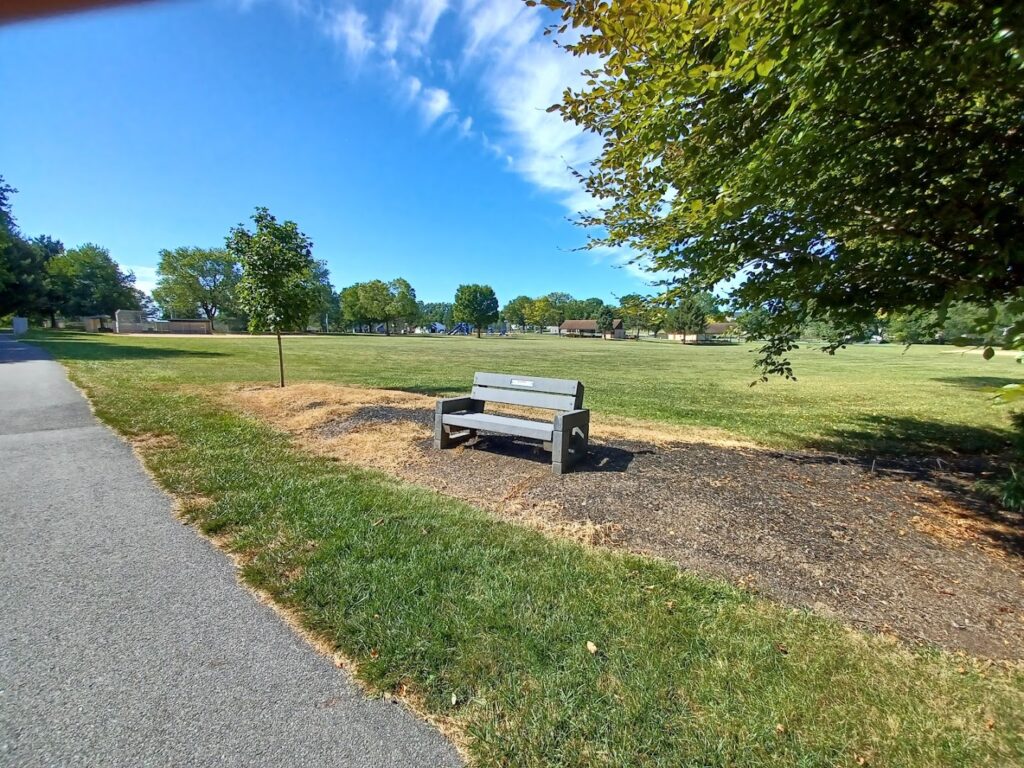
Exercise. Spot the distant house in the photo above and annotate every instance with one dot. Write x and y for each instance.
(589, 329)
(714, 333)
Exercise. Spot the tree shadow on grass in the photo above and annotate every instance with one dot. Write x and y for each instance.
(956, 459)
(978, 382)
(87, 349)
(430, 390)
(876, 435)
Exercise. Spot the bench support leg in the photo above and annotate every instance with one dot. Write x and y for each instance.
(442, 432)
(569, 440)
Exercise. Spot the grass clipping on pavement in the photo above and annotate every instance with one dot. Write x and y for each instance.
(542, 652)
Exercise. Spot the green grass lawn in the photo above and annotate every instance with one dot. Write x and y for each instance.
(487, 623)
(865, 399)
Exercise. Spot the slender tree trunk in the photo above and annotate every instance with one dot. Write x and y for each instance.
(478, 330)
(280, 357)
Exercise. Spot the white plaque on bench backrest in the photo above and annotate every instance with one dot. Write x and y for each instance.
(521, 383)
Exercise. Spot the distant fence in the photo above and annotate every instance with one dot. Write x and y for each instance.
(132, 321)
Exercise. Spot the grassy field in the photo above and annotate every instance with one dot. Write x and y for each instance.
(486, 624)
(865, 399)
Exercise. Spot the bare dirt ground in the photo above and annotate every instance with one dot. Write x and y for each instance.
(898, 549)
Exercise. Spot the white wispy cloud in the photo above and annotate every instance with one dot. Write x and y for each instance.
(434, 103)
(429, 12)
(391, 32)
(408, 26)
(524, 74)
(350, 27)
(504, 54)
(413, 86)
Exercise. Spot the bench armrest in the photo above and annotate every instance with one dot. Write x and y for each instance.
(566, 421)
(453, 404)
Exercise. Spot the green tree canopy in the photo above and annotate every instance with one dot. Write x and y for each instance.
(689, 313)
(634, 309)
(87, 281)
(279, 287)
(514, 313)
(326, 299)
(436, 312)
(403, 307)
(836, 159)
(541, 312)
(378, 302)
(193, 280)
(25, 284)
(475, 304)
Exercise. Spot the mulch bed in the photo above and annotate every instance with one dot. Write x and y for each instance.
(895, 549)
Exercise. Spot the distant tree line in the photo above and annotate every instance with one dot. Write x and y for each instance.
(40, 279)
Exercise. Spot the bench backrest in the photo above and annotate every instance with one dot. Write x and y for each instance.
(530, 391)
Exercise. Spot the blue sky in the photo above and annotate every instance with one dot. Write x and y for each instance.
(406, 137)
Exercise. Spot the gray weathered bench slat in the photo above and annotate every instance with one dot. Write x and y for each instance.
(530, 399)
(508, 425)
(567, 435)
(527, 383)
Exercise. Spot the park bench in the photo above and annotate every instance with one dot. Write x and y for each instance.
(458, 419)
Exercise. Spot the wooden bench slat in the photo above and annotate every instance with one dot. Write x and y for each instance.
(530, 399)
(507, 425)
(527, 383)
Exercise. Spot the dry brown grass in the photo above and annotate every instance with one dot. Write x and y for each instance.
(388, 446)
(149, 441)
(300, 407)
(303, 410)
(953, 523)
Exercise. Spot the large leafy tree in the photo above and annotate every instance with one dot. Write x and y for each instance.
(25, 284)
(192, 280)
(403, 307)
(689, 313)
(87, 281)
(514, 313)
(635, 310)
(436, 312)
(541, 312)
(475, 304)
(835, 159)
(605, 319)
(26, 288)
(378, 302)
(327, 300)
(279, 287)
(585, 309)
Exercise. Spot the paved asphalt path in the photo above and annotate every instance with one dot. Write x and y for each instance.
(124, 637)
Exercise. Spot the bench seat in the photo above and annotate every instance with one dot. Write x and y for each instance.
(505, 425)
